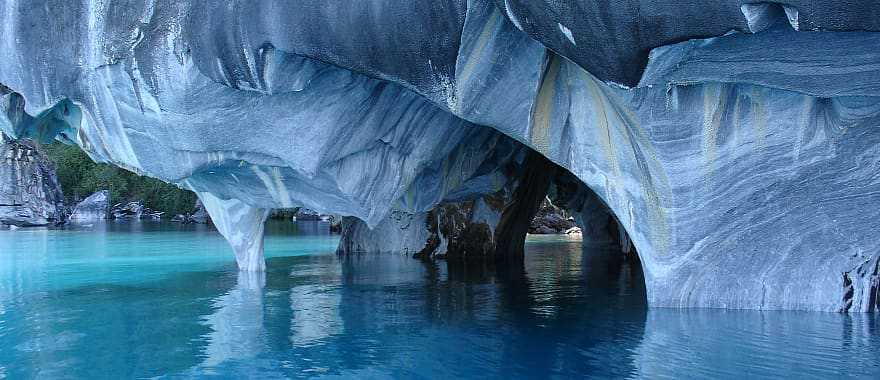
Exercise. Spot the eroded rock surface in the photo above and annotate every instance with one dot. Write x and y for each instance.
(736, 144)
(29, 191)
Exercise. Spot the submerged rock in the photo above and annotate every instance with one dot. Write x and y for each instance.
(29, 191)
(94, 207)
(735, 145)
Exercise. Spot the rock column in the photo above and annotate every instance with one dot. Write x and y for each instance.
(510, 235)
(242, 225)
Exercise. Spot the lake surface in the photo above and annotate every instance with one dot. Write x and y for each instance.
(136, 300)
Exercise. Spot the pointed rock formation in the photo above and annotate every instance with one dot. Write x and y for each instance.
(94, 207)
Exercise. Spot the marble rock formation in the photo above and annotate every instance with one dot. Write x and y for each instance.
(487, 227)
(95, 207)
(128, 210)
(199, 215)
(735, 142)
(551, 220)
(29, 191)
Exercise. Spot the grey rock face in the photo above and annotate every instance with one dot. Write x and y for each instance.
(551, 220)
(400, 232)
(130, 210)
(491, 227)
(303, 213)
(94, 207)
(741, 165)
(199, 214)
(465, 230)
(29, 190)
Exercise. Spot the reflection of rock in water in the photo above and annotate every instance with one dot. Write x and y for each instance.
(315, 314)
(237, 323)
(801, 345)
(523, 319)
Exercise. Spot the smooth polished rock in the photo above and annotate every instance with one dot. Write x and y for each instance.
(242, 226)
(94, 207)
(736, 146)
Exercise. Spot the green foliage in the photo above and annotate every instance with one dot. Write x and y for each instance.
(79, 177)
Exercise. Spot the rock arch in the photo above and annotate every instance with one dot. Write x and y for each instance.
(740, 187)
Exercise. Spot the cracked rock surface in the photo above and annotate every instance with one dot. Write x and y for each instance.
(29, 191)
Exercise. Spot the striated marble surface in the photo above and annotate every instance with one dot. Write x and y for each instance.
(29, 191)
(736, 143)
(242, 225)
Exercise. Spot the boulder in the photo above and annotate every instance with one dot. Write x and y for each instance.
(199, 214)
(131, 210)
(94, 207)
(551, 220)
(304, 214)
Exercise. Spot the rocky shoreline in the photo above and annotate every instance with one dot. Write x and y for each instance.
(30, 196)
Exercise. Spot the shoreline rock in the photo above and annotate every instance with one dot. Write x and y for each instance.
(30, 195)
(95, 207)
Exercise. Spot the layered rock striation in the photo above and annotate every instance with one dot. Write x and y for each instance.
(29, 191)
(735, 142)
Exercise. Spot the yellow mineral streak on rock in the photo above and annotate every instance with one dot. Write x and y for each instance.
(601, 106)
(737, 121)
(620, 124)
(474, 56)
(541, 114)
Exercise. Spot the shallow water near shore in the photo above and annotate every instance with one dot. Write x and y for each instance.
(134, 300)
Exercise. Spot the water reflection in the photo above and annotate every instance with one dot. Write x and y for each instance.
(237, 323)
(173, 303)
(719, 343)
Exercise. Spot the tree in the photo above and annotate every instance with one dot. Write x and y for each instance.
(79, 177)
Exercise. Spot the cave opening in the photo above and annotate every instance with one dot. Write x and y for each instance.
(550, 221)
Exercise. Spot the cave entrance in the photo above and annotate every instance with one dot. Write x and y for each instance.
(566, 224)
(606, 258)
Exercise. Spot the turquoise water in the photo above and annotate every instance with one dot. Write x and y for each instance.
(141, 300)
